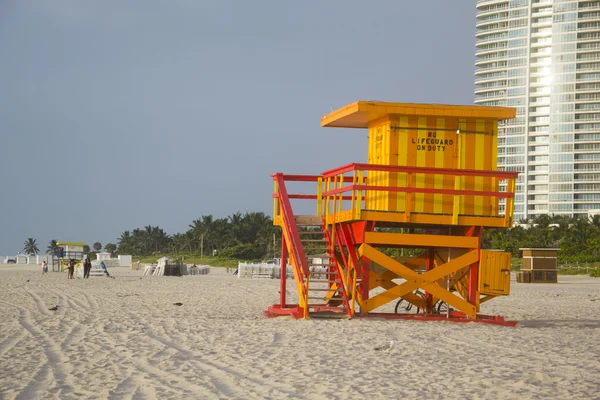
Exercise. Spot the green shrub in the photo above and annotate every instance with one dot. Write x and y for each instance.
(595, 273)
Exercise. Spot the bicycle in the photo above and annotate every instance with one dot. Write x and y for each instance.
(440, 307)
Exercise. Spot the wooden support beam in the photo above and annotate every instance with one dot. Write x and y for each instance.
(486, 298)
(426, 281)
(408, 240)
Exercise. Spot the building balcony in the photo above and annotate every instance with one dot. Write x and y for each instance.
(485, 80)
(489, 89)
(479, 63)
(590, 39)
(542, 24)
(542, 34)
(587, 28)
(487, 7)
(541, 3)
(542, 10)
(483, 42)
(489, 26)
(490, 98)
(583, 108)
(482, 71)
(587, 57)
(589, 18)
(543, 42)
(491, 49)
(583, 120)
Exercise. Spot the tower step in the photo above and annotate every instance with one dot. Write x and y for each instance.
(321, 298)
(326, 306)
(308, 220)
(327, 314)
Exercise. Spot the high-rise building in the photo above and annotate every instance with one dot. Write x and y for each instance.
(543, 57)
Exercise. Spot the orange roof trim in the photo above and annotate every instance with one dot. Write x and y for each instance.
(359, 114)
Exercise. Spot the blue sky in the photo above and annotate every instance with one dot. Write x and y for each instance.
(119, 114)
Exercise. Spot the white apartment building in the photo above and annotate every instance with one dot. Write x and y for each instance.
(543, 57)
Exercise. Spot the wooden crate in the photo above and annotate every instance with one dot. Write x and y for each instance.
(544, 276)
(542, 259)
(524, 277)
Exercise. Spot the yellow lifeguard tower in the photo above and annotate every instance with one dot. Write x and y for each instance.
(430, 185)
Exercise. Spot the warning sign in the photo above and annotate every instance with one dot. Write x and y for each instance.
(432, 143)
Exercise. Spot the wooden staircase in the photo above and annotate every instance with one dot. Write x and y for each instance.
(320, 285)
(326, 294)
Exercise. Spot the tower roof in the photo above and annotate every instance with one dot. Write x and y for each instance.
(360, 113)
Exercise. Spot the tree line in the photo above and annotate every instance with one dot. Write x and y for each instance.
(577, 238)
(253, 236)
(31, 248)
(242, 236)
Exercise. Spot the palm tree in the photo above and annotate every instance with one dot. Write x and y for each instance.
(595, 220)
(126, 243)
(52, 247)
(188, 241)
(178, 243)
(30, 247)
(235, 226)
(110, 248)
(222, 237)
(203, 231)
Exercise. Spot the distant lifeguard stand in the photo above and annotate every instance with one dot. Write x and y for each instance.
(431, 186)
(66, 251)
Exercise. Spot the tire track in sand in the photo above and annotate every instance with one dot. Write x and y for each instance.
(56, 358)
(126, 389)
(219, 374)
(10, 342)
(66, 300)
(176, 384)
(225, 379)
(40, 304)
(35, 389)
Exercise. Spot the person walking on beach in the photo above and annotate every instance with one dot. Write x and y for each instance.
(87, 266)
(103, 266)
(44, 267)
(71, 274)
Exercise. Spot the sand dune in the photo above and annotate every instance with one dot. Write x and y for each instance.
(123, 338)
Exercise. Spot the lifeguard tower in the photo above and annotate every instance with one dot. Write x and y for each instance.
(430, 187)
(66, 251)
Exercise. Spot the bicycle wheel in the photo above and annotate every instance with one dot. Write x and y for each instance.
(440, 307)
(405, 307)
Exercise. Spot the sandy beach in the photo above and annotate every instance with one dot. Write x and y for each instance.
(124, 338)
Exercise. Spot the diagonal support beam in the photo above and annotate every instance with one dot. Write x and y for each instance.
(424, 281)
(385, 281)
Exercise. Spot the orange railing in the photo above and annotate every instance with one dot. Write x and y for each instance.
(346, 189)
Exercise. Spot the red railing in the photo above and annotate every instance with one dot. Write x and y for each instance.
(337, 183)
(284, 205)
(335, 188)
